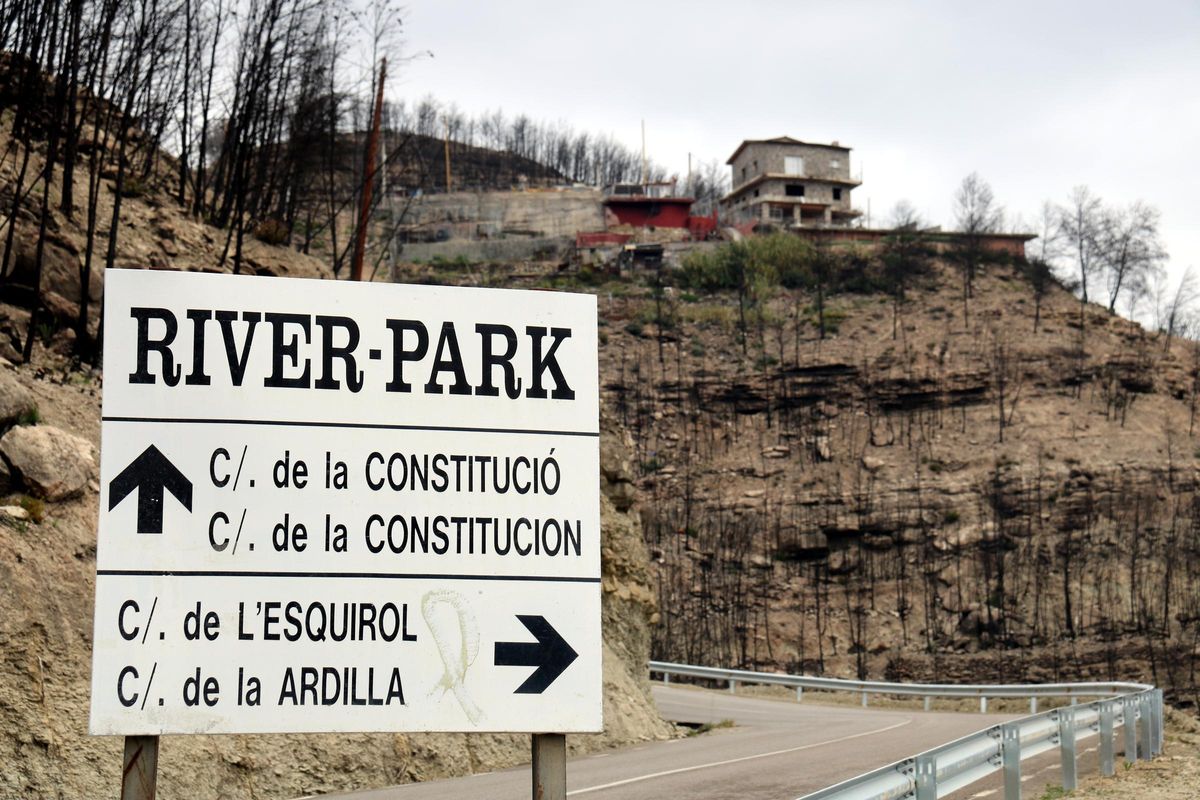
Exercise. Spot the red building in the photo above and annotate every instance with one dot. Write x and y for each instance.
(646, 206)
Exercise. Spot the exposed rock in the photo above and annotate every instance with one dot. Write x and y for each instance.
(616, 472)
(60, 268)
(971, 623)
(13, 512)
(822, 449)
(51, 463)
(872, 464)
(875, 541)
(882, 436)
(7, 351)
(64, 311)
(15, 400)
(842, 562)
(805, 544)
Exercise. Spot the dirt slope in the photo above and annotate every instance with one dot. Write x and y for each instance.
(46, 587)
(47, 567)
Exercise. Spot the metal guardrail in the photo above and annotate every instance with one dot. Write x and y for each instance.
(1134, 709)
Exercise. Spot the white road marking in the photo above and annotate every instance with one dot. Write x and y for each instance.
(985, 793)
(664, 773)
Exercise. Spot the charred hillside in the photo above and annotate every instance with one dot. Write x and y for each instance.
(419, 162)
(859, 466)
(1010, 497)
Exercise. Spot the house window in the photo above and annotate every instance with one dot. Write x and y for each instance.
(793, 165)
(837, 194)
(756, 167)
(834, 163)
(756, 192)
(776, 212)
(743, 173)
(793, 190)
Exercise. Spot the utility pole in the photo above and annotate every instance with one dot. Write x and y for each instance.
(446, 129)
(364, 211)
(643, 177)
(391, 204)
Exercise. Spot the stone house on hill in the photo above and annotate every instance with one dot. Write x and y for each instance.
(790, 183)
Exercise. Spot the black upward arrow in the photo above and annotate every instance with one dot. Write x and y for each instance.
(150, 473)
(550, 654)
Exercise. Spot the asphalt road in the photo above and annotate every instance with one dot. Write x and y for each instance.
(778, 750)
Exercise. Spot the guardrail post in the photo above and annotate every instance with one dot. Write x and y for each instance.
(799, 693)
(1066, 746)
(1145, 747)
(864, 699)
(1157, 704)
(666, 677)
(732, 686)
(1129, 717)
(1010, 751)
(926, 778)
(1033, 705)
(983, 705)
(928, 702)
(1106, 739)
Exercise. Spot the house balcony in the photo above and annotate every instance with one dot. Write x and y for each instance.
(795, 212)
(825, 180)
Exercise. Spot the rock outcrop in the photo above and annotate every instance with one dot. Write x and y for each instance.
(53, 464)
(16, 402)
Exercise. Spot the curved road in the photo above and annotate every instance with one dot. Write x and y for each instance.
(778, 750)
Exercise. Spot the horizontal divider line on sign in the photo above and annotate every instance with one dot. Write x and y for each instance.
(388, 575)
(364, 425)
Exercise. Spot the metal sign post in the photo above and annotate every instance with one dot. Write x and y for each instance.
(139, 771)
(346, 507)
(549, 766)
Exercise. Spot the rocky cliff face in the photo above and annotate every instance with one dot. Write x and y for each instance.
(984, 500)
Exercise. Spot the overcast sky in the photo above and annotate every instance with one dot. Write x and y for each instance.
(1035, 96)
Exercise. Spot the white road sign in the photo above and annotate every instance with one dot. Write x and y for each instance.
(346, 507)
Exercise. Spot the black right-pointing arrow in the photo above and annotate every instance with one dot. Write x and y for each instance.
(151, 474)
(550, 654)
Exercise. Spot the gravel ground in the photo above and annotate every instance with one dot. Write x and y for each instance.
(1175, 775)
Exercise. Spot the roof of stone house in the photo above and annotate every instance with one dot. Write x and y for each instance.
(785, 140)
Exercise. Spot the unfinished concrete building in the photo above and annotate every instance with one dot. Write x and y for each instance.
(789, 183)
